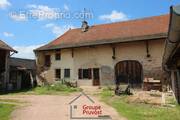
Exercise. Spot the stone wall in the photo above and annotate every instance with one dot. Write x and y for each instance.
(101, 57)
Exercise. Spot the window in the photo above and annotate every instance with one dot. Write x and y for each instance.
(58, 73)
(85, 73)
(47, 62)
(58, 56)
(66, 73)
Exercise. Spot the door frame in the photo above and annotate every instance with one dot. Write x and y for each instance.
(128, 62)
(93, 77)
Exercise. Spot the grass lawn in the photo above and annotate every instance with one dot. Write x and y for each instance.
(137, 111)
(54, 89)
(5, 111)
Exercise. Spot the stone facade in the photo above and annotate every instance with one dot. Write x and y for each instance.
(101, 57)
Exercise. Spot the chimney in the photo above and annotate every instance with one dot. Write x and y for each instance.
(84, 26)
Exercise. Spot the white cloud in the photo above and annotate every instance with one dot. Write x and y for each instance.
(42, 12)
(4, 4)
(58, 30)
(49, 25)
(114, 16)
(8, 34)
(18, 16)
(25, 51)
(66, 7)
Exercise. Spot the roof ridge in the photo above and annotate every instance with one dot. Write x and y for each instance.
(131, 20)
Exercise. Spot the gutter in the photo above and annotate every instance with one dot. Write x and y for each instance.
(173, 39)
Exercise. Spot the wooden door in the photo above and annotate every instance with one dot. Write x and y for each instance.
(96, 77)
(129, 71)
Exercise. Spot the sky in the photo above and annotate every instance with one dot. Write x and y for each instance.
(28, 24)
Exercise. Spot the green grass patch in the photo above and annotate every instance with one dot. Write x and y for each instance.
(9, 100)
(53, 89)
(136, 111)
(5, 111)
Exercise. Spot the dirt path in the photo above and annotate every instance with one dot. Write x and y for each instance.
(50, 107)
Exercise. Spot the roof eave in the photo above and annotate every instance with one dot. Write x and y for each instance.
(103, 42)
(14, 51)
(173, 35)
(11, 50)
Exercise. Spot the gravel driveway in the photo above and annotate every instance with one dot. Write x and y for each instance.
(50, 107)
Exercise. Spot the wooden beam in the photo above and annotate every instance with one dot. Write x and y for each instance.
(72, 52)
(147, 49)
(114, 52)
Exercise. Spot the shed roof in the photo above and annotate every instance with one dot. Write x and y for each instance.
(20, 63)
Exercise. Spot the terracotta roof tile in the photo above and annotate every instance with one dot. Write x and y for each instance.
(106, 33)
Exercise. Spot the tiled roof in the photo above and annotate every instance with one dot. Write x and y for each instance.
(133, 30)
(4, 46)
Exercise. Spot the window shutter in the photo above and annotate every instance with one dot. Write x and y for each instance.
(80, 73)
(90, 73)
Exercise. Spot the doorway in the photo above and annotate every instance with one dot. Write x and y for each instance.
(2, 68)
(96, 77)
(129, 72)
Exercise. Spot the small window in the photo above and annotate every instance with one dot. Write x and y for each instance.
(66, 73)
(58, 73)
(58, 56)
(47, 62)
(85, 73)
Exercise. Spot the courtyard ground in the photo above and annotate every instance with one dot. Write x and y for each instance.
(50, 107)
(46, 104)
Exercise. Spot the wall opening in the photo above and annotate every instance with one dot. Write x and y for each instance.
(129, 72)
(2, 68)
